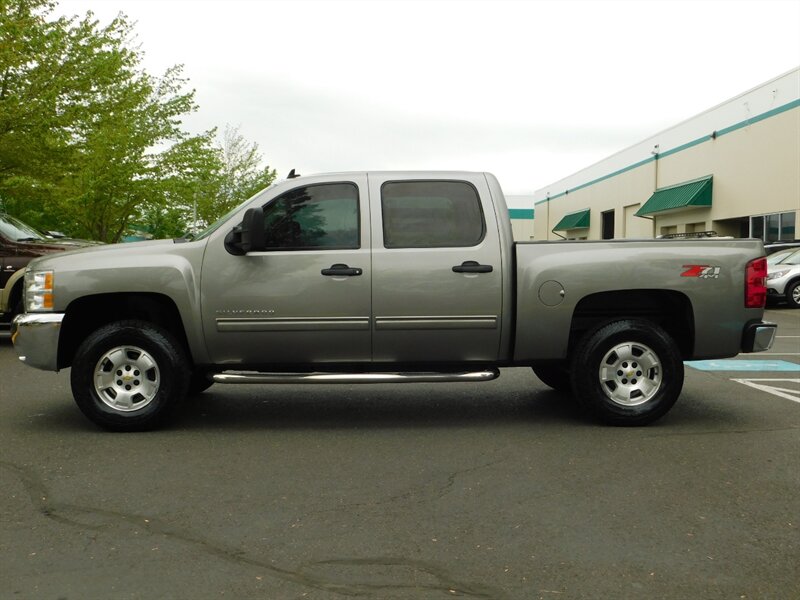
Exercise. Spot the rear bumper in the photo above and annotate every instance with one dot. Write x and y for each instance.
(758, 336)
(35, 339)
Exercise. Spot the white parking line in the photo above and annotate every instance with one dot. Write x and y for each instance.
(790, 393)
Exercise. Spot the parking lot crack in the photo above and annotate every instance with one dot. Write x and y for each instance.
(453, 477)
(98, 519)
(418, 495)
(381, 575)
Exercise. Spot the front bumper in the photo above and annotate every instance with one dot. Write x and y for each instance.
(777, 286)
(35, 338)
(758, 336)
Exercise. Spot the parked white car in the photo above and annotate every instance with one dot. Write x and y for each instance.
(783, 276)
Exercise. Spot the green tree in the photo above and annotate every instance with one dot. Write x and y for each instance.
(239, 175)
(43, 82)
(90, 142)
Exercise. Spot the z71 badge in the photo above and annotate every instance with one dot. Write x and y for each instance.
(701, 271)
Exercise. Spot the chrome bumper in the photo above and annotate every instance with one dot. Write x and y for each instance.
(758, 337)
(35, 338)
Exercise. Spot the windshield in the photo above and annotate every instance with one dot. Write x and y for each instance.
(16, 230)
(216, 225)
(780, 256)
(221, 221)
(792, 259)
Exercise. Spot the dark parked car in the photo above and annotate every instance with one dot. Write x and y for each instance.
(19, 244)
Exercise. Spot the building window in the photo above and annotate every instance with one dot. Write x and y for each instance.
(788, 226)
(757, 227)
(773, 227)
(608, 224)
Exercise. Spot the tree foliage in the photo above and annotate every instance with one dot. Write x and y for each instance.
(90, 143)
(239, 177)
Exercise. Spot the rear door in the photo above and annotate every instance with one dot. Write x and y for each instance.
(437, 276)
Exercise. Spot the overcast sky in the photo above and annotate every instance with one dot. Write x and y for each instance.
(531, 91)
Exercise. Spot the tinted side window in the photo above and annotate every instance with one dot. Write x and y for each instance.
(431, 214)
(315, 217)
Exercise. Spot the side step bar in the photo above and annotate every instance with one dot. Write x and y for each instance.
(256, 377)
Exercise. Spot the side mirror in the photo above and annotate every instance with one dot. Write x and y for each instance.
(253, 237)
(249, 236)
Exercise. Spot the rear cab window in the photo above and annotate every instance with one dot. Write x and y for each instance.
(431, 214)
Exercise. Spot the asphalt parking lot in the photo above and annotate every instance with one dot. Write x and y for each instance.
(497, 490)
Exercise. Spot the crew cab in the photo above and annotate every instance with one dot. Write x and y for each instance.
(387, 277)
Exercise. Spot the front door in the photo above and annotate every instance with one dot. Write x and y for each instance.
(306, 299)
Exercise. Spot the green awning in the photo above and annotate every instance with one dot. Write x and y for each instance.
(521, 213)
(693, 194)
(576, 220)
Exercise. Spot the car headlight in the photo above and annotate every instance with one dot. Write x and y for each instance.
(777, 274)
(38, 291)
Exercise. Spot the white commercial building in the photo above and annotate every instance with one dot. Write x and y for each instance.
(521, 216)
(733, 169)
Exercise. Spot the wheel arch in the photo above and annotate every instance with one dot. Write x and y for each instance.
(12, 292)
(670, 310)
(86, 314)
(793, 281)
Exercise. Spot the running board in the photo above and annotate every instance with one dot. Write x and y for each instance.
(256, 377)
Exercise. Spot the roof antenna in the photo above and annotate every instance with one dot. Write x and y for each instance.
(292, 175)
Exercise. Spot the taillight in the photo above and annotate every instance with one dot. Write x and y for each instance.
(755, 286)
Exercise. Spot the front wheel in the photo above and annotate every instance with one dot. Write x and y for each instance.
(793, 294)
(129, 376)
(628, 372)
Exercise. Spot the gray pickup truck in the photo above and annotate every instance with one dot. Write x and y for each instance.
(386, 277)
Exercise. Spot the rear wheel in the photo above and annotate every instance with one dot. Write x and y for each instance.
(129, 376)
(628, 372)
(5, 322)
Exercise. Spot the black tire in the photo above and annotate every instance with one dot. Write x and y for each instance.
(642, 377)
(793, 294)
(16, 310)
(198, 383)
(554, 374)
(130, 376)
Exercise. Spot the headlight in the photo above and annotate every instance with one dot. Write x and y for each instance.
(777, 274)
(38, 291)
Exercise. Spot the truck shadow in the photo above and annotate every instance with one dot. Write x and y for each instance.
(335, 409)
(516, 401)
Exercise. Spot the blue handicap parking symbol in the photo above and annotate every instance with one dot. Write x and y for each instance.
(743, 365)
